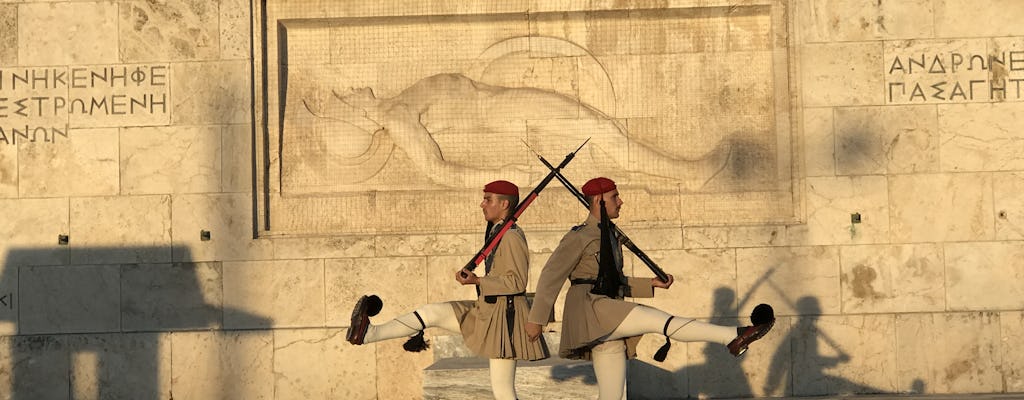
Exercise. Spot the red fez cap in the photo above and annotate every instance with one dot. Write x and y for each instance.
(502, 187)
(597, 186)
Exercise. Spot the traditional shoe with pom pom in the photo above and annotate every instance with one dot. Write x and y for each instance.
(366, 307)
(763, 318)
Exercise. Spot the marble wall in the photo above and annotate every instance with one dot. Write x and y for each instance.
(130, 267)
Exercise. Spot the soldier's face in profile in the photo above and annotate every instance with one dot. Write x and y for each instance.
(612, 203)
(494, 207)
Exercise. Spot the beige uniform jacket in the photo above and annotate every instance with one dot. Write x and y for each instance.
(485, 326)
(587, 317)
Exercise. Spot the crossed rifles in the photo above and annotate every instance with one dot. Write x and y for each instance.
(556, 172)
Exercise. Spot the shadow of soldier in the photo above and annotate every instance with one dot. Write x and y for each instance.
(804, 337)
(720, 375)
(103, 330)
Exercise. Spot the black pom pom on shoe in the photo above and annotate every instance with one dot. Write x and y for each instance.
(373, 305)
(762, 314)
(416, 343)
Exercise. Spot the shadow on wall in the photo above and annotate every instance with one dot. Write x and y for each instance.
(100, 330)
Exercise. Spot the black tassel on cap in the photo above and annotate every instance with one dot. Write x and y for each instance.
(663, 351)
(417, 343)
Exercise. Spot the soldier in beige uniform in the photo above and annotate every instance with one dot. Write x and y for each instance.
(607, 329)
(493, 325)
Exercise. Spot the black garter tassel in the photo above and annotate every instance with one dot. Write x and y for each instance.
(417, 343)
(663, 351)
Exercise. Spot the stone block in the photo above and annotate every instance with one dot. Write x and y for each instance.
(324, 247)
(179, 296)
(227, 218)
(158, 160)
(1011, 324)
(31, 228)
(84, 164)
(790, 278)
(844, 355)
(211, 93)
(705, 282)
(949, 353)
(318, 363)
(852, 20)
(886, 140)
(94, 41)
(223, 365)
(893, 278)
(999, 17)
(441, 283)
(124, 229)
(940, 207)
(819, 142)
(9, 33)
(236, 159)
(831, 204)
(350, 278)
(8, 170)
(69, 299)
(175, 30)
(235, 19)
(401, 373)
(1009, 205)
(119, 366)
(281, 293)
(983, 276)
(842, 74)
(981, 137)
(716, 237)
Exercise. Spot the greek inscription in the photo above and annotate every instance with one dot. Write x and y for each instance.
(96, 94)
(920, 78)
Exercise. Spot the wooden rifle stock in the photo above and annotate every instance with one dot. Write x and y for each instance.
(626, 241)
(511, 220)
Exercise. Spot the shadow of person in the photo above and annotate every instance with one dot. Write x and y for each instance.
(811, 364)
(96, 327)
(721, 374)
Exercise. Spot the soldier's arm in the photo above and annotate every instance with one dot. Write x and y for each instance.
(561, 263)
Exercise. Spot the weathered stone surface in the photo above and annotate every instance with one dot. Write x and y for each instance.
(281, 293)
(983, 276)
(969, 363)
(223, 365)
(319, 363)
(169, 31)
(940, 207)
(842, 74)
(170, 160)
(163, 297)
(83, 164)
(41, 42)
(893, 278)
(120, 229)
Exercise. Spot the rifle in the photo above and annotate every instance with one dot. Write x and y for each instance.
(492, 242)
(626, 241)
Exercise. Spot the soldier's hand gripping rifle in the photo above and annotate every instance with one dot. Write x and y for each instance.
(626, 241)
(492, 242)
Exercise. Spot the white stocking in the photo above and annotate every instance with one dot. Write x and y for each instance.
(645, 319)
(436, 315)
(610, 369)
(503, 378)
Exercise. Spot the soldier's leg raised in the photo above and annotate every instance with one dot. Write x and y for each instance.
(439, 315)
